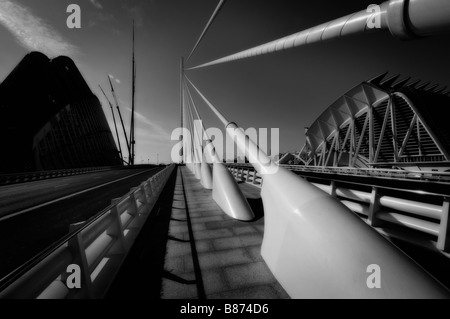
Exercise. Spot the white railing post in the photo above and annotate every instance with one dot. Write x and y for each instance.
(374, 208)
(149, 192)
(333, 189)
(76, 245)
(143, 195)
(153, 185)
(116, 230)
(133, 204)
(444, 227)
(254, 176)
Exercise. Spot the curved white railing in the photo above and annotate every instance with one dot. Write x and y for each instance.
(418, 214)
(367, 172)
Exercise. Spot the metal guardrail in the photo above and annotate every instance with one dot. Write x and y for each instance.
(367, 172)
(98, 247)
(377, 207)
(7, 179)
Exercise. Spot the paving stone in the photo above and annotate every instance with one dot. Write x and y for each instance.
(251, 239)
(257, 292)
(184, 236)
(199, 226)
(177, 222)
(178, 229)
(248, 275)
(210, 234)
(255, 252)
(174, 264)
(223, 258)
(213, 281)
(203, 246)
(194, 215)
(227, 243)
(206, 219)
(207, 212)
(244, 230)
(282, 294)
(175, 290)
(188, 263)
(260, 228)
(221, 224)
(178, 249)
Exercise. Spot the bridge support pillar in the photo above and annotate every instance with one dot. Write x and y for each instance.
(197, 170)
(227, 194)
(333, 189)
(444, 228)
(206, 175)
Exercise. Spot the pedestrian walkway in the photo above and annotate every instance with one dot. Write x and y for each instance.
(210, 255)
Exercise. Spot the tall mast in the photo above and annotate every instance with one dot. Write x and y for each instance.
(181, 107)
(121, 120)
(132, 140)
(115, 125)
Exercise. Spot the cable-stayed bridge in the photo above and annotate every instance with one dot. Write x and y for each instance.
(373, 173)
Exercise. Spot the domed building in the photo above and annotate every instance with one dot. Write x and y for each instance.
(50, 119)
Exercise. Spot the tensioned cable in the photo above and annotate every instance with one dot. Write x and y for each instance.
(214, 15)
(196, 141)
(262, 162)
(190, 120)
(196, 110)
(351, 24)
(187, 121)
(212, 107)
(213, 154)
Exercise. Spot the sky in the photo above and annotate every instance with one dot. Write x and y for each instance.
(286, 90)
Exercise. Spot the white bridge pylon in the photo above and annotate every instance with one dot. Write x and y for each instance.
(225, 190)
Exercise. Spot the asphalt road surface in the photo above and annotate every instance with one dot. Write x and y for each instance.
(36, 214)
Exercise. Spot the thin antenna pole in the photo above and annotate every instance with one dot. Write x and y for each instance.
(181, 105)
(132, 141)
(114, 120)
(121, 120)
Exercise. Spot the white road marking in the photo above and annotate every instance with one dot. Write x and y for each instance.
(68, 196)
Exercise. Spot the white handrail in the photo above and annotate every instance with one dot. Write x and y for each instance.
(364, 202)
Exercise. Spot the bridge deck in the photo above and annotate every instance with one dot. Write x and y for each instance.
(221, 257)
(194, 250)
